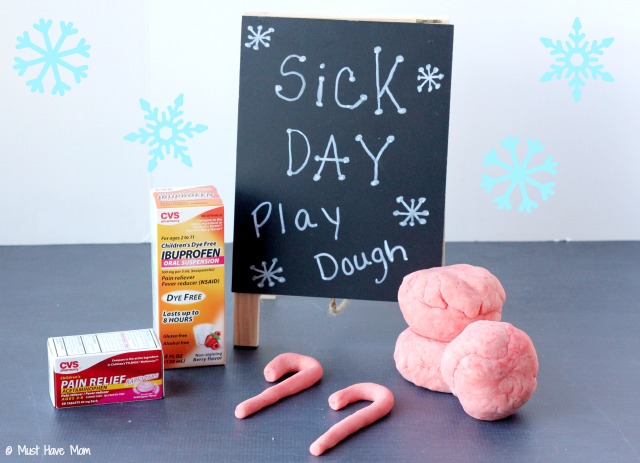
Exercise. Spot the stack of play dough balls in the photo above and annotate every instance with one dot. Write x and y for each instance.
(456, 342)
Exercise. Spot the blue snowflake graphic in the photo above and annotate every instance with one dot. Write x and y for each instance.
(258, 37)
(576, 59)
(51, 57)
(519, 174)
(165, 132)
(268, 275)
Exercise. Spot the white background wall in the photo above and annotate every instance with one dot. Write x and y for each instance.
(67, 175)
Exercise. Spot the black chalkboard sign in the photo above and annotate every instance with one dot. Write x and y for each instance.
(341, 157)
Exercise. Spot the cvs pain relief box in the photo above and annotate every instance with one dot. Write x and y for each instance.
(92, 369)
(187, 258)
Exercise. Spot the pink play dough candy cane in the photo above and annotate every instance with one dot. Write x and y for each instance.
(382, 399)
(308, 372)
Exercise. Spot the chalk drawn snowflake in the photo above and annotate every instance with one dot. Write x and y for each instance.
(51, 57)
(258, 37)
(519, 174)
(267, 275)
(429, 76)
(412, 212)
(576, 59)
(165, 132)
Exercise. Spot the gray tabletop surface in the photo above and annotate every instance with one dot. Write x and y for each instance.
(578, 301)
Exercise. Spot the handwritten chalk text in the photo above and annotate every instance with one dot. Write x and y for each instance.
(302, 221)
(297, 83)
(329, 268)
(295, 160)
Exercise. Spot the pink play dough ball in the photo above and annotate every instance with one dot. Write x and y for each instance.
(440, 302)
(491, 367)
(418, 360)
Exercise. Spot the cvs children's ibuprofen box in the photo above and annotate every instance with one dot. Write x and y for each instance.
(187, 250)
(103, 368)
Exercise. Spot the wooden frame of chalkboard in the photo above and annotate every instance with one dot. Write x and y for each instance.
(342, 145)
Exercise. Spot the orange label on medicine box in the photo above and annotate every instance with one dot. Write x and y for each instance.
(188, 275)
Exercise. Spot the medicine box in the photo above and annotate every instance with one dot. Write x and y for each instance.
(187, 260)
(103, 368)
